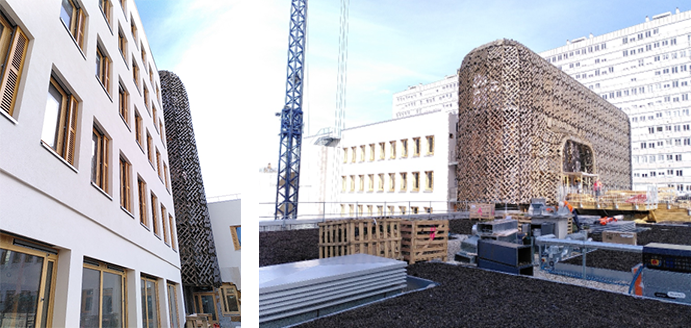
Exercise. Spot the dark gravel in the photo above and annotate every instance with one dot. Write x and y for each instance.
(461, 226)
(469, 297)
(277, 247)
(624, 261)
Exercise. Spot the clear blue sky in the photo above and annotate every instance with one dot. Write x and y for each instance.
(232, 57)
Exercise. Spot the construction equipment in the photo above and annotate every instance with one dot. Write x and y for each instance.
(291, 117)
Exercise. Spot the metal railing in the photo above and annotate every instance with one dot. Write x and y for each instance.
(333, 210)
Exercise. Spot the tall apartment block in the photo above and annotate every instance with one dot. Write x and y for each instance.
(87, 222)
(645, 70)
(439, 95)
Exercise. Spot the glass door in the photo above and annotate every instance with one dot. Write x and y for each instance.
(206, 303)
(27, 284)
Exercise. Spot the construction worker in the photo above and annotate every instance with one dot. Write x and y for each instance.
(597, 187)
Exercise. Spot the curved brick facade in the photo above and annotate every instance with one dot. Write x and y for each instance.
(516, 113)
(197, 249)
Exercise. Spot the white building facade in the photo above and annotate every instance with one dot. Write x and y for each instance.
(226, 224)
(396, 167)
(87, 230)
(440, 95)
(645, 70)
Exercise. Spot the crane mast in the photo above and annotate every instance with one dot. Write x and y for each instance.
(291, 117)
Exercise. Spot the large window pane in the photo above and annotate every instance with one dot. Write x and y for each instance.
(19, 286)
(91, 282)
(46, 294)
(52, 115)
(66, 12)
(173, 306)
(149, 304)
(112, 301)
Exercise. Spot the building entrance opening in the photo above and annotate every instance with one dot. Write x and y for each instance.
(578, 167)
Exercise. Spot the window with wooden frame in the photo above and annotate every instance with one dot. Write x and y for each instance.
(351, 209)
(392, 149)
(353, 154)
(171, 226)
(362, 153)
(149, 292)
(165, 174)
(381, 182)
(416, 147)
(73, 18)
(123, 103)
(392, 182)
(371, 182)
(104, 300)
(28, 271)
(235, 233)
(138, 128)
(404, 181)
(428, 210)
(430, 145)
(173, 304)
(13, 47)
(392, 210)
(150, 148)
(99, 158)
(135, 73)
(60, 122)
(402, 209)
(125, 184)
(380, 210)
(146, 97)
(369, 210)
(123, 4)
(105, 9)
(429, 181)
(122, 43)
(160, 130)
(103, 69)
(158, 164)
(359, 210)
(133, 28)
(404, 148)
(382, 150)
(154, 214)
(352, 183)
(141, 46)
(151, 76)
(345, 155)
(371, 152)
(164, 224)
(158, 94)
(155, 115)
(416, 181)
(414, 210)
(344, 183)
(361, 183)
(231, 299)
(141, 192)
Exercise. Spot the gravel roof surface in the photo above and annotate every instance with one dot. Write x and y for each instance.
(277, 247)
(469, 297)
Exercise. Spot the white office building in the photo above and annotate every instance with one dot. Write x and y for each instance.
(395, 167)
(87, 222)
(645, 70)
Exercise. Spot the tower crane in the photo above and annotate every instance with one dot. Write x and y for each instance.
(291, 116)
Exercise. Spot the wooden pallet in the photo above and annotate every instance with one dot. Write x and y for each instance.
(380, 237)
(424, 240)
(481, 211)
